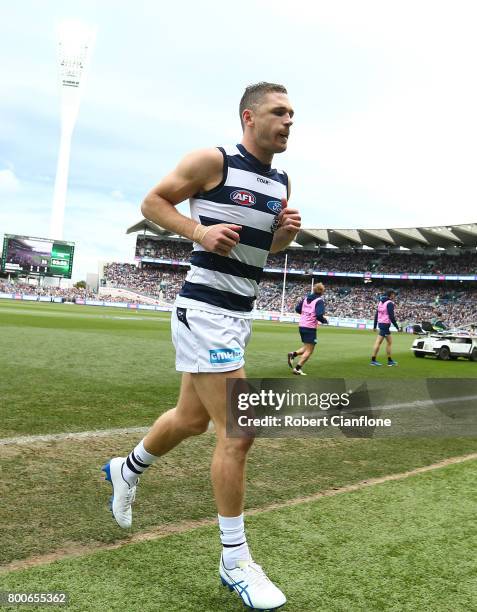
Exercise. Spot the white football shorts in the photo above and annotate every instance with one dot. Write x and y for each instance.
(208, 342)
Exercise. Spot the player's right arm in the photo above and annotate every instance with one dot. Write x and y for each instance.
(198, 171)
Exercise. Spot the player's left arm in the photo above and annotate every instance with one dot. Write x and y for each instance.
(289, 224)
(320, 312)
(392, 315)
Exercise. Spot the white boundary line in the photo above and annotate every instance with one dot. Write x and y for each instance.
(78, 435)
(104, 433)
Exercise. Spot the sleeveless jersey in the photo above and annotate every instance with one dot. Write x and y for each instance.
(383, 315)
(308, 316)
(248, 195)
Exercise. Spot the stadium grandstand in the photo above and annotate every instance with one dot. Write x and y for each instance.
(433, 270)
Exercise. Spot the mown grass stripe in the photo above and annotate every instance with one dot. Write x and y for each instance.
(187, 526)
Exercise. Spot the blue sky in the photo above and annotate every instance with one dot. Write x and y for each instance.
(385, 96)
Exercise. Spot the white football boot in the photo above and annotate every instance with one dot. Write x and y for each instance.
(123, 494)
(252, 584)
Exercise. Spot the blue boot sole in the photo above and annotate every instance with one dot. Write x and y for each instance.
(107, 470)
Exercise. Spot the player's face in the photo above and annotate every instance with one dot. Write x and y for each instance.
(272, 120)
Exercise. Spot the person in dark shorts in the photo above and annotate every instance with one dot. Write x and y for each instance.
(383, 319)
(311, 310)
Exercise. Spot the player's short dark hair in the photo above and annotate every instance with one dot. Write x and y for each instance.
(390, 293)
(254, 93)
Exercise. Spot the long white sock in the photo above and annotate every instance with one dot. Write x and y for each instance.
(136, 462)
(234, 542)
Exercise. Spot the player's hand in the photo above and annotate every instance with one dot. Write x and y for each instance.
(221, 238)
(289, 219)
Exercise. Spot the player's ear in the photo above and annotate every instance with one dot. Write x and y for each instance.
(247, 117)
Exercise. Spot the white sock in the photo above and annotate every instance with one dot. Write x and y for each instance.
(136, 462)
(234, 542)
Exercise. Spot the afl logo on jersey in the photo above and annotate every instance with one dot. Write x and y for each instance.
(243, 197)
(275, 206)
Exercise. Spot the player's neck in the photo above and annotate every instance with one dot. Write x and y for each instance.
(262, 155)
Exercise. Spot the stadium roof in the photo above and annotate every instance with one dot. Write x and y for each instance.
(443, 236)
(145, 224)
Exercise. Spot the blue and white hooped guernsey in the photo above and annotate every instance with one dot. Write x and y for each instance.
(249, 195)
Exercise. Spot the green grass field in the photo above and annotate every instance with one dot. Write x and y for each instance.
(405, 545)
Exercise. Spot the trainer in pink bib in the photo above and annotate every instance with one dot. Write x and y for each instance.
(308, 316)
(383, 315)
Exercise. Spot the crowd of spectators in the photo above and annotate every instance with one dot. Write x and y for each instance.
(70, 294)
(148, 280)
(163, 249)
(331, 260)
(414, 302)
(28, 289)
(334, 260)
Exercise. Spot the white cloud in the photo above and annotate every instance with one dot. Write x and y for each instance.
(9, 183)
(385, 96)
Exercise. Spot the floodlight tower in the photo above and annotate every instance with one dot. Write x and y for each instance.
(75, 46)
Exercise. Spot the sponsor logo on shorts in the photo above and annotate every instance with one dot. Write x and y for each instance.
(225, 355)
(243, 197)
(275, 206)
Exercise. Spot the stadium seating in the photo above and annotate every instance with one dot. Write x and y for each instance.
(415, 302)
(333, 259)
(452, 302)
